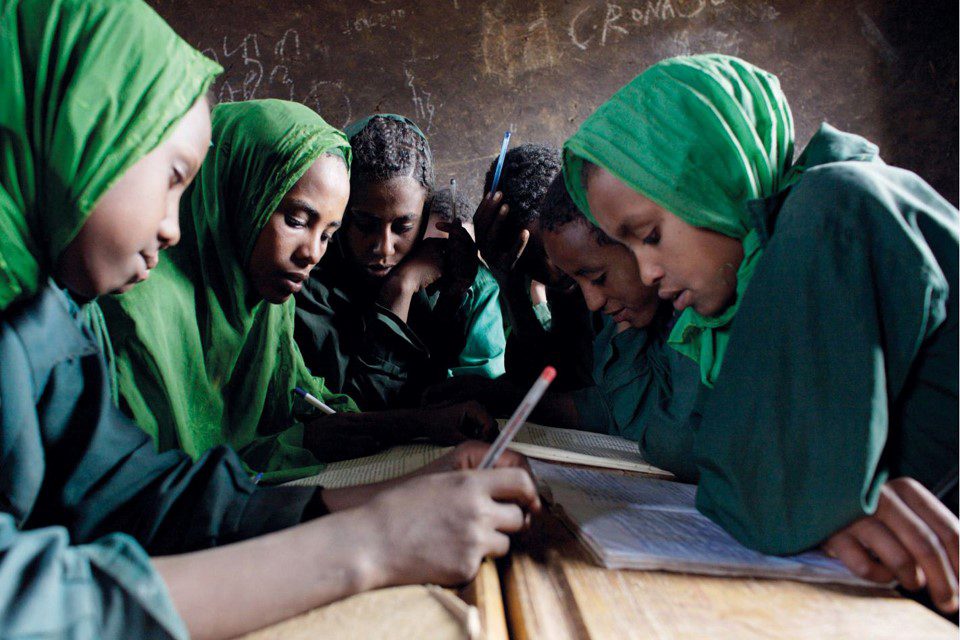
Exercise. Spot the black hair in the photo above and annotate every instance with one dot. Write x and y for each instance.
(441, 204)
(526, 174)
(558, 210)
(389, 148)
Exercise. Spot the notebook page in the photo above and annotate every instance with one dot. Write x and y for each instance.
(580, 447)
(645, 523)
(385, 465)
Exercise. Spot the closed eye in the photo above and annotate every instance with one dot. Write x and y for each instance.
(599, 280)
(652, 238)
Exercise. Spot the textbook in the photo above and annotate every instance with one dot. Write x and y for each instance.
(386, 465)
(581, 447)
(633, 522)
(533, 440)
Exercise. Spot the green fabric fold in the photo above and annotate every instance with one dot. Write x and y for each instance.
(700, 136)
(202, 359)
(89, 88)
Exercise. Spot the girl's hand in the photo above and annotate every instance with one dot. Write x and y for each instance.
(456, 422)
(438, 527)
(468, 455)
(460, 262)
(501, 244)
(911, 538)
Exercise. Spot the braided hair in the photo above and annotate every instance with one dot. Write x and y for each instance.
(527, 172)
(558, 210)
(441, 205)
(390, 148)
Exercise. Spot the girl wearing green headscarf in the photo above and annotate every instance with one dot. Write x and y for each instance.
(390, 311)
(818, 297)
(204, 349)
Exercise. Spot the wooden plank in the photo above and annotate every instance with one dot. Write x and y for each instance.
(485, 594)
(554, 590)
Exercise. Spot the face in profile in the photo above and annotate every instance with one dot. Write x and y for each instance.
(138, 217)
(690, 266)
(605, 271)
(296, 236)
(384, 224)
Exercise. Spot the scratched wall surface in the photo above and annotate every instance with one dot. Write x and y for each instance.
(466, 70)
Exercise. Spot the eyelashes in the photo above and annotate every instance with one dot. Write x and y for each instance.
(652, 238)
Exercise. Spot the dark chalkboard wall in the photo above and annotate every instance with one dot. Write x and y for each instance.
(467, 70)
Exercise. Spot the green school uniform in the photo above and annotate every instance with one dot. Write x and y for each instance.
(82, 488)
(836, 366)
(644, 391)
(202, 359)
(362, 349)
(557, 332)
(841, 370)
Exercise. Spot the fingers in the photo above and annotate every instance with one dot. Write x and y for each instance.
(497, 544)
(512, 485)
(518, 246)
(507, 518)
(483, 217)
(477, 421)
(848, 550)
(875, 537)
(933, 512)
(923, 544)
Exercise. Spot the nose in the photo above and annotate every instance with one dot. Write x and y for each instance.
(384, 247)
(594, 298)
(168, 233)
(311, 250)
(650, 273)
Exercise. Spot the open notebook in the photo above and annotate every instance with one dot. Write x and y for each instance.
(533, 440)
(580, 447)
(631, 522)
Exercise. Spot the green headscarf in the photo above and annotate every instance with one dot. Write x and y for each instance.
(88, 88)
(202, 359)
(700, 136)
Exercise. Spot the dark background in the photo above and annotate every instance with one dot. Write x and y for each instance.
(467, 70)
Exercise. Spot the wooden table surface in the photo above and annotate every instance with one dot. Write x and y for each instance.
(553, 591)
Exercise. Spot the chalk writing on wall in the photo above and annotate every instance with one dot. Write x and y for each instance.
(607, 22)
(511, 48)
(256, 69)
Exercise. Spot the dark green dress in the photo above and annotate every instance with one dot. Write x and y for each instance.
(842, 366)
(83, 492)
(644, 391)
(364, 350)
(558, 333)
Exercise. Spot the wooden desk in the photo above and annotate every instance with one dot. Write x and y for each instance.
(554, 591)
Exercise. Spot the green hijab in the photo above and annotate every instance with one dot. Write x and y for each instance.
(88, 88)
(700, 136)
(202, 359)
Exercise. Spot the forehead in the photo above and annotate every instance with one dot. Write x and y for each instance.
(572, 247)
(391, 199)
(325, 178)
(616, 205)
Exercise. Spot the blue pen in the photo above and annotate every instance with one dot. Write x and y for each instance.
(256, 478)
(503, 154)
(315, 401)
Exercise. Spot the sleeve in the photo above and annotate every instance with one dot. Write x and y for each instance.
(104, 589)
(368, 355)
(644, 392)
(792, 446)
(484, 351)
(72, 459)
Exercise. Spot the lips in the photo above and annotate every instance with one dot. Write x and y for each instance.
(292, 281)
(378, 269)
(682, 298)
